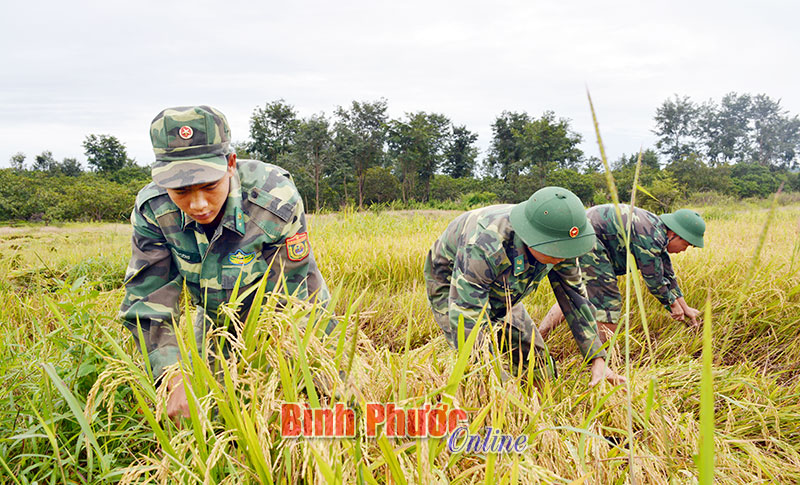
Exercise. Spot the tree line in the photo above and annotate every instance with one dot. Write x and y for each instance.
(743, 146)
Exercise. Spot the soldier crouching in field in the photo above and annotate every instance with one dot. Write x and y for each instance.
(205, 221)
(489, 259)
(653, 239)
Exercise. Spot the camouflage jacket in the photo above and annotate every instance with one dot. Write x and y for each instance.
(263, 221)
(488, 265)
(648, 247)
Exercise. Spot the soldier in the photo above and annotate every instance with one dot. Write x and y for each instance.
(489, 259)
(206, 220)
(653, 238)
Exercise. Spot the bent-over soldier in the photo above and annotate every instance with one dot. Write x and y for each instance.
(653, 239)
(489, 259)
(206, 220)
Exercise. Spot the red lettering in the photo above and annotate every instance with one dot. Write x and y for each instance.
(290, 420)
(455, 418)
(376, 414)
(345, 421)
(437, 421)
(395, 421)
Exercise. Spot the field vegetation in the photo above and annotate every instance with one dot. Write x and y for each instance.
(77, 404)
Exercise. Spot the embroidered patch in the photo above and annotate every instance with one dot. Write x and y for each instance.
(298, 246)
(240, 257)
(519, 265)
(573, 232)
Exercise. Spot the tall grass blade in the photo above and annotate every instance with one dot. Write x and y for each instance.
(706, 446)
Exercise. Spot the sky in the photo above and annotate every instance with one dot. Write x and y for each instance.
(76, 68)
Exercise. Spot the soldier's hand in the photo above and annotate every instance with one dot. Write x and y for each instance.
(177, 404)
(692, 314)
(600, 371)
(676, 311)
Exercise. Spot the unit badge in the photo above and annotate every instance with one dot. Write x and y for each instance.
(241, 258)
(298, 246)
(186, 132)
(573, 232)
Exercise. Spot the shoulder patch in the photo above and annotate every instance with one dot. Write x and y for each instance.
(298, 247)
(281, 208)
(149, 191)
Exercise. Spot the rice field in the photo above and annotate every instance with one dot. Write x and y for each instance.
(77, 404)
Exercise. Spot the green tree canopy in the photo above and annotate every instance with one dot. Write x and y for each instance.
(314, 145)
(525, 145)
(676, 127)
(360, 133)
(272, 130)
(417, 146)
(460, 154)
(105, 153)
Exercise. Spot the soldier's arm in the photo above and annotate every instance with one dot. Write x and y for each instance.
(152, 291)
(669, 275)
(565, 279)
(301, 273)
(648, 253)
(469, 288)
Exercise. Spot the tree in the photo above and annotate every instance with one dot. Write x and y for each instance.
(547, 140)
(381, 186)
(751, 180)
(505, 152)
(315, 145)
(524, 145)
(742, 129)
(44, 162)
(272, 130)
(18, 161)
(417, 146)
(71, 168)
(649, 159)
(460, 153)
(676, 126)
(776, 136)
(360, 133)
(105, 153)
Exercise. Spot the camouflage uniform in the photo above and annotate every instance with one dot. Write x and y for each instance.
(263, 227)
(606, 261)
(480, 262)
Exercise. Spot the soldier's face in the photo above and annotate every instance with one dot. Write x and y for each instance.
(204, 202)
(676, 243)
(543, 258)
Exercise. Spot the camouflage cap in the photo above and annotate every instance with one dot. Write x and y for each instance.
(191, 144)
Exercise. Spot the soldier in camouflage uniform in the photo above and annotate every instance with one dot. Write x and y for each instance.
(489, 259)
(206, 221)
(653, 238)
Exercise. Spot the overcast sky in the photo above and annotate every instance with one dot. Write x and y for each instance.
(74, 68)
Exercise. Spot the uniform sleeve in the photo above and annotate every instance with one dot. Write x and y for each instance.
(469, 288)
(303, 277)
(152, 291)
(565, 279)
(669, 274)
(650, 255)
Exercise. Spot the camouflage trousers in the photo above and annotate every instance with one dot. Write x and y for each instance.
(600, 279)
(515, 332)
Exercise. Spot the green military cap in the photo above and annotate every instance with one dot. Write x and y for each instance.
(553, 221)
(687, 224)
(191, 144)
